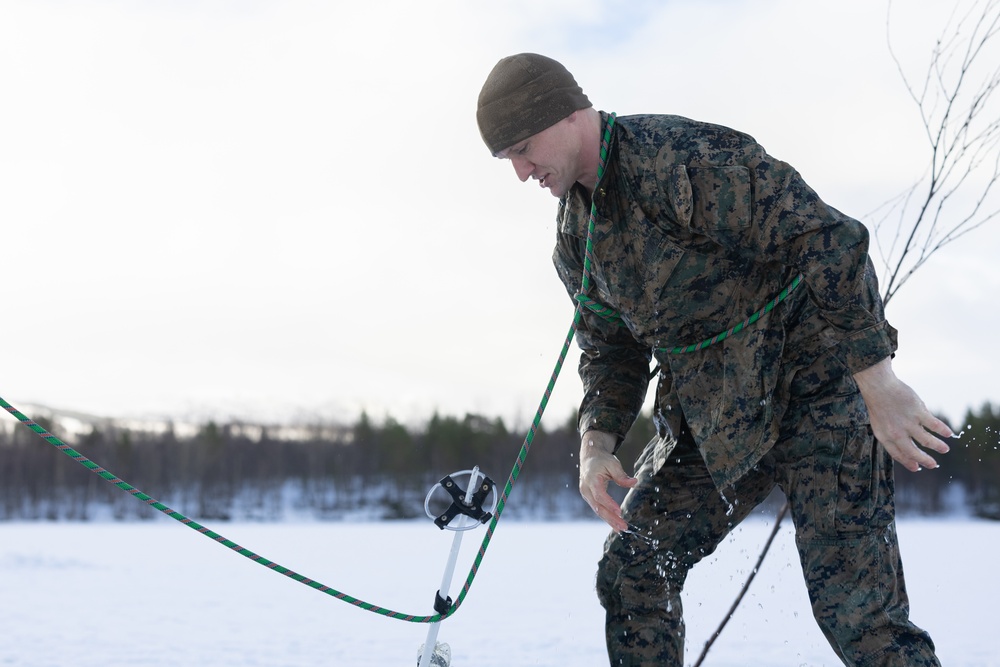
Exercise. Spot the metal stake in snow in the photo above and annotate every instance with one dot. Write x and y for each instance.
(465, 513)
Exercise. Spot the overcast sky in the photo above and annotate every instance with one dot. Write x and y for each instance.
(278, 210)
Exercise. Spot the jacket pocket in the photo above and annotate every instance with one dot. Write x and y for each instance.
(720, 198)
(847, 471)
(714, 201)
(839, 412)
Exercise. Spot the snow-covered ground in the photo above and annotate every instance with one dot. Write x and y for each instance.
(158, 593)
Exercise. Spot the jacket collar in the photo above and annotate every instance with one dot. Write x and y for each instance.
(574, 206)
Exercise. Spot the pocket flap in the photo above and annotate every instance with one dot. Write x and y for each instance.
(843, 411)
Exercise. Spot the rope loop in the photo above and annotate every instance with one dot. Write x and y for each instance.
(599, 309)
(610, 315)
(721, 336)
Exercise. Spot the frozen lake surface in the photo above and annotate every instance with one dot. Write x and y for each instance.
(160, 594)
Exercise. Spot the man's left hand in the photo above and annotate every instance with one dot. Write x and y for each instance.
(899, 419)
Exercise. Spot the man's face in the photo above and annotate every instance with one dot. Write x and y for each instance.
(549, 157)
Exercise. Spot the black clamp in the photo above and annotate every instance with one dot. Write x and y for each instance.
(473, 508)
(442, 605)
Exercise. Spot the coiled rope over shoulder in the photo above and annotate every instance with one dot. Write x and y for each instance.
(610, 315)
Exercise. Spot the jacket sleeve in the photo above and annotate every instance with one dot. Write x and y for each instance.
(614, 366)
(830, 250)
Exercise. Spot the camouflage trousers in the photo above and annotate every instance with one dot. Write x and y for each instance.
(840, 490)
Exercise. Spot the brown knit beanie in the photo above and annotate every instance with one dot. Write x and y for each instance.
(523, 95)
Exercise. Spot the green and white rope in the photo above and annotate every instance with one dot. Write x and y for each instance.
(768, 307)
(190, 523)
(291, 574)
(611, 315)
(502, 501)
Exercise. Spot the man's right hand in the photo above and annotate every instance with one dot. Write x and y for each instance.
(598, 466)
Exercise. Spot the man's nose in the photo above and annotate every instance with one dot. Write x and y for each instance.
(522, 168)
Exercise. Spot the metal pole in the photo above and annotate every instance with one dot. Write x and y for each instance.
(449, 571)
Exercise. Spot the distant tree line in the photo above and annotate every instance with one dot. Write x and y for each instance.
(969, 476)
(377, 470)
(246, 471)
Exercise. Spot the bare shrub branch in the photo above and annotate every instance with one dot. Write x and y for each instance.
(960, 113)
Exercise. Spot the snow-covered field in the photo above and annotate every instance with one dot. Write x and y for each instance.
(158, 593)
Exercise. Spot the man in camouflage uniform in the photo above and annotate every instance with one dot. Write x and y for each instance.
(695, 228)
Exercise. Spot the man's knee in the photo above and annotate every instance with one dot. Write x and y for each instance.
(644, 585)
(644, 624)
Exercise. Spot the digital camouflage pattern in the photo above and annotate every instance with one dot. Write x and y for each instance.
(840, 490)
(697, 228)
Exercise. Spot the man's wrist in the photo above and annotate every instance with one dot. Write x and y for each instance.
(872, 377)
(601, 441)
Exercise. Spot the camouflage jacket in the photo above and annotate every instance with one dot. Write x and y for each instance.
(697, 228)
